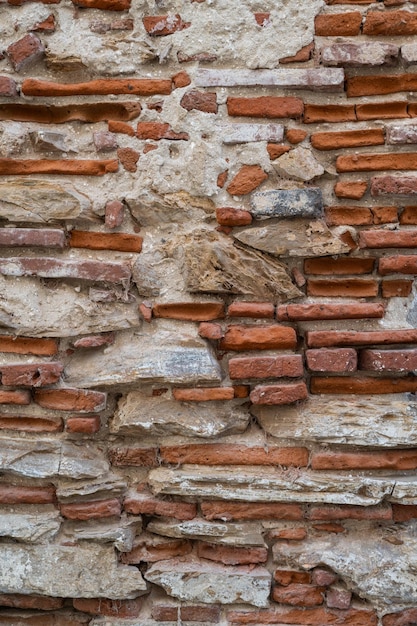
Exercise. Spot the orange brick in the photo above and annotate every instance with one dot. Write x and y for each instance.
(334, 113)
(91, 510)
(388, 459)
(203, 394)
(102, 86)
(348, 139)
(382, 111)
(343, 265)
(346, 287)
(375, 162)
(264, 310)
(247, 179)
(259, 338)
(228, 511)
(396, 288)
(233, 454)
(265, 106)
(390, 23)
(193, 311)
(338, 24)
(364, 385)
(266, 367)
(28, 345)
(378, 85)
(353, 190)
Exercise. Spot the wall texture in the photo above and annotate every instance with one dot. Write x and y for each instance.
(208, 315)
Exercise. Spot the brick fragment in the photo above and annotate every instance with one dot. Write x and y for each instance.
(266, 367)
(203, 394)
(323, 577)
(290, 577)
(298, 594)
(32, 237)
(68, 167)
(20, 494)
(193, 311)
(90, 113)
(121, 609)
(99, 26)
(78, 400)
(347, 139)
(304, 54)
(334, 113)
(233, 454)
(241, 337)
(231, 555)
(86, 425)
(186, 613)
(409, 216)
(341, 512)
(324, 338)
(228, 511)
(279, 394)
(398, 264)
(210, 331)
(151, 552)
(123, 242)
(262, 19)
(332, 360)
(157, 131)
(353, 190)
(105, 141)
(25, 52)
(396, 288)
(265, 107)
(47, 25)
(359, 54)
(374, 162)
(346, 287)
(227, 216)
(98, 87)
(305, 616)
(22, 601)
(401, 618)
(128, 158)
(275, 150)
(363, 386)
(162, 25)
(8, 87)
(181, 79)
(91, 510)
(248, 178)
(28, 345)
(146, 504)
(387, 459)
(121, 127)
(288, 534)
(309, 312)
(31, 374)
(403, 512)
(19, 397)
(392, 23)
(200, 100)
(338, 24)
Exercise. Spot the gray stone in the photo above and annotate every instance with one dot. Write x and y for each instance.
(298, 164)
(121, 533)
(151, 209)
(321, 79)
(29, 524)
(401, 134)
(41, 201)
(139, 414)
(231, 534)
(306, 203)
(37, 458)
(161, 352)
(245, 133)
(385, 420)
(105, 486)
(368, 53)
(212, 583)
(47, 141)
(213, 264)
(81, 571)
(30, 307)
(293, 238)
(254, 484)
(409, 52)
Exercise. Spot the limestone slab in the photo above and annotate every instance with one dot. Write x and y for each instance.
(253, 484)
(140, 414)
(194, 581)
(312, 79)
(307, 203)
(298, 164)
(245, 133)
(29, 524)
(293, 238)
(233, 534)
(81, 571)
(151, 209)
(161, 352)
(386, 421)
(121, 533)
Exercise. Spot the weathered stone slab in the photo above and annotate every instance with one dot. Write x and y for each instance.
(306, 203)
(405, 491)
(254, 484)
(151, 209)
(298, 164)
(121, 533)
(321, 79)
(29, 524)
(139, 414)
(389, 583)
(41, 201)
(232, 534)
(37, 458)
(161, 352)
(213, 264)
(246, 133)
(401, 133)
(297, 237)
(409, 52)
(211, 583)
(28, 307)
(81, 571)
(368, 53)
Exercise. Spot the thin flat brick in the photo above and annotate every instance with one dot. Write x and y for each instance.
(28, 345)
(261, 310)
(332, 360)
(121, 609)
(32, 237)
(303, 616)
(203, 394)
(31, 374)
(374, 162)
(265, 107)
(333, 113)
(159, 130)
(21, 494)
(352, 190)
(340, 512)
(231, 555)
(266, 367)
(233, 454)
(91, 510)
(343, 287)
(31, 424)
(340, 266)
(279, 394)
(298, 595)
(396, 288)
(146, 504)
(38, 603)
(151, 552)
(315, 79)
(365, 385)
(122, 242)
(389, 360)
(404, 513)
(228, 511)
(105, 5)
(86, 425)
(49, 267)
(338, 24)
(381, 111)
(400, 618)
(310, 312)
(398, 264)
(15, 397)
(388, 239)
(380, 85)
(328, 338)
(88, 112)
(348, 139)
(193, 311)
(196, 613)
(394, 185)
(259, 338)
(68, 167)
(387, 460)
(288, 534)
(98, 87)
(79, 400)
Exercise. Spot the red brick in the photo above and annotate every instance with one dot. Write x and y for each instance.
(122, 242)
(248, 178)
(25, 52)
(241, 337)
(325, 338)
(111, 608)
(340, 266)
(348, 139)
(241, 391)
(98, 87)
(162, 25)
(388, 239)
(48, 267)
(87, 425)
(266, 367)
(31, 374)
(338, 24)
(354, 216)
(31, 424)
(399, 185)
(389, 360)
(295, 135)
(276, 150)
(137, 457)
(375, 162)
(334, 512)
(323, 577)
(91, 510)
(408, 617)
(262, 19)
(28, 345)
(39, 603)
(229, 511)
(343, 287)
(396, 288)
(231, 555)
(157, 131)
(328, 527)
(47, 25)
(304, 616)
(227, 216)
(87, 112)
(121, 127)
(15, 397)
(409, 216)
(279, 394)
(290, 577)
(332, 360)
(288, 534)
(7, 87)
(193, 311)
(69, 167)
(210, 614)
(233, 454)
(203, 394)
(314, 113)
(114, 214)
(105, 5)
(298, 595)
(390, 23)
(353, 190)
(363, 386)
(304, 54)
(388, 459)
(265, 106)
(95, 341)
(146, 504)
(398, 264)
(152, 552)
(309, 312)
(404, 513)
(384, 214)
(181, 79)
(20, 494)
(204, 101)
(81, 400)
(128, 158)
(210, 331)
(381, 111)
(261, 310)
(33, 237)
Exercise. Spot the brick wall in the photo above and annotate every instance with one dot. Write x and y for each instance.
(208, 318)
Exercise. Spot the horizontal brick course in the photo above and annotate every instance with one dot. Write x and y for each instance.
(364, 385)
(233, 454)
(325, 338)
(279, 394)
(387, 459)
(266, 367)
(102, 86)
(228, 511)
(309, 312)
(332, 360)
(265, 106)
(258, 338)
(89, 113)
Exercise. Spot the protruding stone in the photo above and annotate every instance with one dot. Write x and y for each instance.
(212, 583)
(306, 203)
(299, 164)
(232, 534)
(180, 207)
(298, 237)
(29, 523)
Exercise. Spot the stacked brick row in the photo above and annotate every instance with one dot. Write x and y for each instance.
(208, 322)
